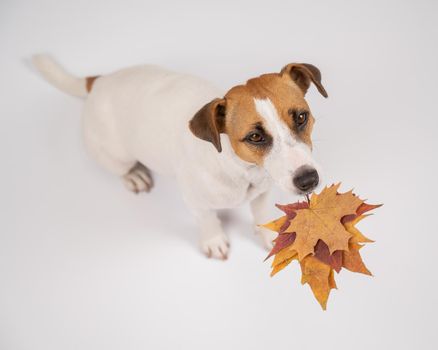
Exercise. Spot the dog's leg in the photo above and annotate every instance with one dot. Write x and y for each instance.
(260, 212)
(135, 176)
(214, 242)
(138, 179)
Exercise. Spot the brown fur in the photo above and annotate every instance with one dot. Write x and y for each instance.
(208, 123)
(89, 81)
(240, 120)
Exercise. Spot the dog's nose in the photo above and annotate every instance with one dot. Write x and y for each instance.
(306, 179)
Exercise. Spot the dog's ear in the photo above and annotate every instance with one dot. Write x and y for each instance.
(209, 122)
(302, 74)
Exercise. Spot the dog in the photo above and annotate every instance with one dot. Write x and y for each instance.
(223, 149)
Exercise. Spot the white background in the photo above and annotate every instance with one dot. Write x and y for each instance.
(84, 264)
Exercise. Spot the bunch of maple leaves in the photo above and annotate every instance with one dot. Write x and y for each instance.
(322, 236)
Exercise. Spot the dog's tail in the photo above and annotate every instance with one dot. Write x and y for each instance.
(59, 77)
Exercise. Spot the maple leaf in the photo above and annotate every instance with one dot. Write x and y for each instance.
(278, 225)
(320, 278)
(363, 208)
(357, 236)
(282, 259)
(282, 241)
(322, 236)
(333, 260)
(353, 261)
(322, 220)
(290, 209)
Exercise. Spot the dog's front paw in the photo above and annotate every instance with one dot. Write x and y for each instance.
(266, 237)
(216, 246)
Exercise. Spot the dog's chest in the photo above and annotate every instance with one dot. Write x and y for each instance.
(238, 190)
(258, 183)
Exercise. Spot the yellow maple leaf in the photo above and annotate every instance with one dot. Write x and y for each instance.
(332, 282)
(282, 259)
(352, 260)
(357, 236)
(320, 278)
(280, 266)
(322, 220)
(276, 224)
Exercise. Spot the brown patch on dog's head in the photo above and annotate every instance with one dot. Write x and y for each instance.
(242, 123)
(236, 113)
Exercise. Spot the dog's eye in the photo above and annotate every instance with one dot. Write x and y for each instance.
(300, 119)
(255, 137)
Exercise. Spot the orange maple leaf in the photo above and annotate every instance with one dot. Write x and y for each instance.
(320, 278)
(322, 220)
(323, 237)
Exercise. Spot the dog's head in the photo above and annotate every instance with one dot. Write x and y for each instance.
(269, 124)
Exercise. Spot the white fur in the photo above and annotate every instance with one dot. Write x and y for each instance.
(141, 114)
(57, 76)
(287, 153)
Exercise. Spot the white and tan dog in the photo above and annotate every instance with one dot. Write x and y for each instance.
(257, 134)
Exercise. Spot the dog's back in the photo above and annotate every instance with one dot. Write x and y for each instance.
(135, 114)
